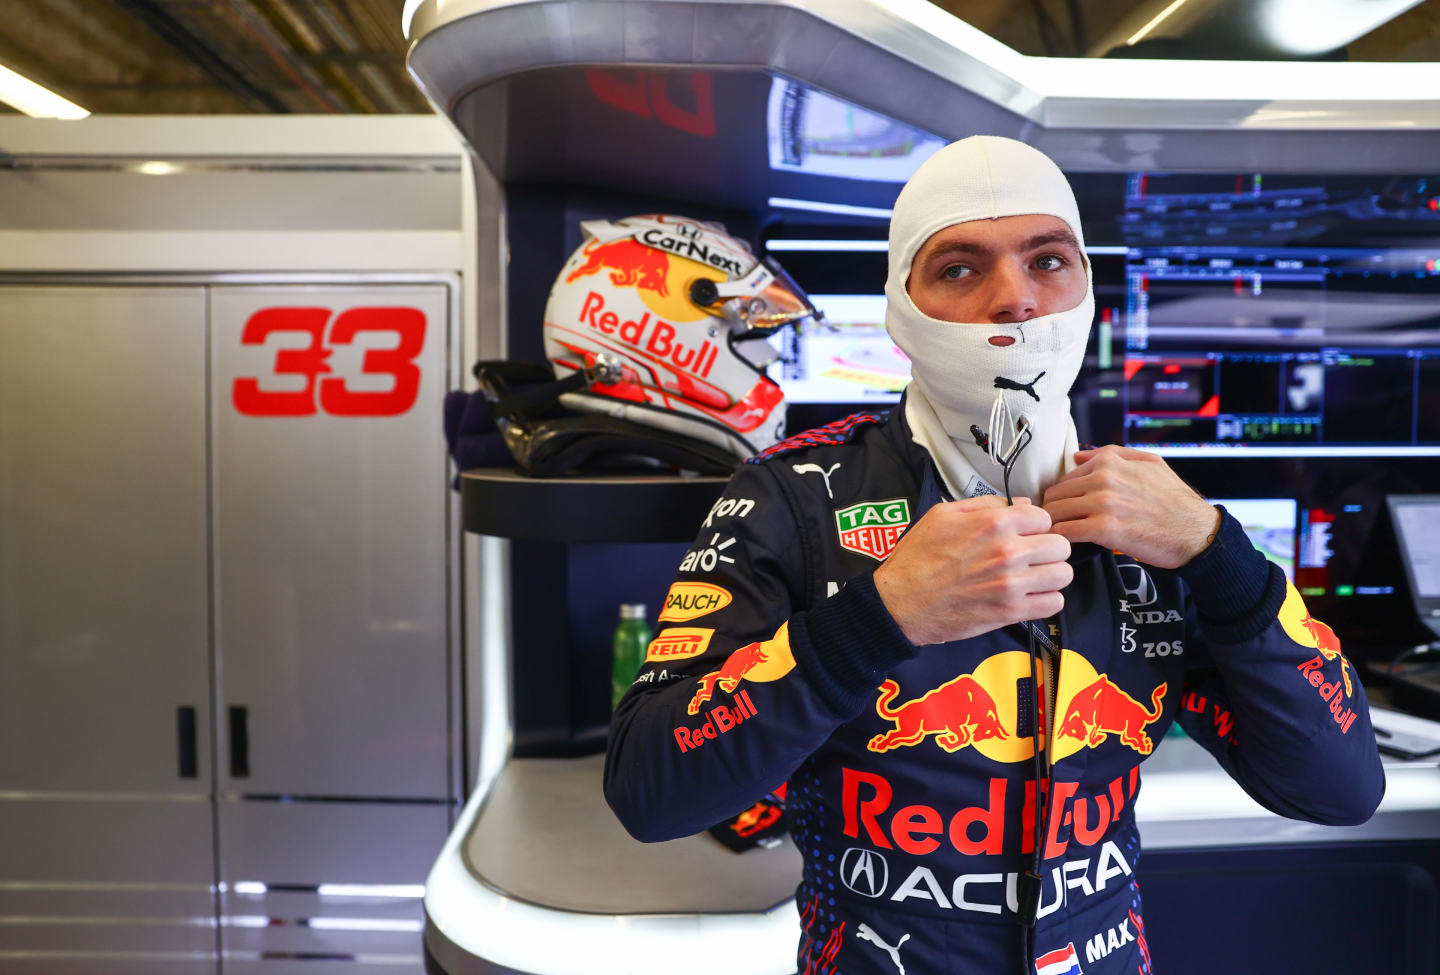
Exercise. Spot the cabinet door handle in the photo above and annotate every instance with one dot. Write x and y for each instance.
(185, 739)
(239, 743)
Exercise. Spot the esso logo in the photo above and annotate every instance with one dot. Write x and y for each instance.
(329, 394)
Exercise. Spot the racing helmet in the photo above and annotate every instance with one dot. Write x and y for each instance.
(668, 319)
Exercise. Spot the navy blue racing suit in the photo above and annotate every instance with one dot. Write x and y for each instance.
(909, 770)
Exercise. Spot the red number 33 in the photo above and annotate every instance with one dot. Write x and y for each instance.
(311, 362)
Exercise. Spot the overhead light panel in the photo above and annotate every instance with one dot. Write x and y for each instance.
(819, 206)
(35, 100)
(1306, 28)
(407, 16)
(1155, 22)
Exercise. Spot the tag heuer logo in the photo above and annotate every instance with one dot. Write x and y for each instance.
(873, 527)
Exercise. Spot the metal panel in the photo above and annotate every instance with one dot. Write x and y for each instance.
(330, 532)
(104, 632)
(106, 884)
(103, 625)
(311, 881)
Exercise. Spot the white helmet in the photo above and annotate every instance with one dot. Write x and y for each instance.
(668, 318)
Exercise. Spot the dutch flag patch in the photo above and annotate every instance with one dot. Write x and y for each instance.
(1061, 961)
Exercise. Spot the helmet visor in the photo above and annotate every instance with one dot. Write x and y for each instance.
(780, 302)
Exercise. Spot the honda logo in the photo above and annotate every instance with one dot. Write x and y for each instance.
(1139, 588)
(864, 871)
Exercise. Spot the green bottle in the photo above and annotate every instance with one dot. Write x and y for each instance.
(632, 639)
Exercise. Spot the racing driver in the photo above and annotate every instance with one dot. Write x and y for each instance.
(954, 635)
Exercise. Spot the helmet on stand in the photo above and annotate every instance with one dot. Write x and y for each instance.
(664, 321)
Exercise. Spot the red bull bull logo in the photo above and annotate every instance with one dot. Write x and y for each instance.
(761, 662)
(758, 817)
(1329, 646)
(982, 710)
(958, 713)
(1307, 631)
(631, 264)
(1103, 709)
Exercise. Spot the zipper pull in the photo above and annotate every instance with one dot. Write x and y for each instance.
(1027, 895)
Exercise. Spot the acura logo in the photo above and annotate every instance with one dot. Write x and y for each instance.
(864, 871)
(1139, 589)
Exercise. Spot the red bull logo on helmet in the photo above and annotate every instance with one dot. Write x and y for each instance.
(981, 710)
(631, 264)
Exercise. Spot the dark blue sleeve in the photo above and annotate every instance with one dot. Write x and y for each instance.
(740, 685)
(1268, 691)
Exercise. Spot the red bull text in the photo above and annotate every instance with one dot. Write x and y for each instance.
(977, 830)
(719, 720)
(655, 337)
(1329, 692)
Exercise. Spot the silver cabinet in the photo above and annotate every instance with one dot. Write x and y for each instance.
(227, 585)
(308, 882)
(105, 772)
(330, 495)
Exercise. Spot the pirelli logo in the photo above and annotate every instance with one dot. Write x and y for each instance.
(679, 642)
(690, 600)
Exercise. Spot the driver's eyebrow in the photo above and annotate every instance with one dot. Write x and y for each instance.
(1051, 237)
(948, 247)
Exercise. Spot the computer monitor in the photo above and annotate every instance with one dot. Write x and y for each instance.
(1270, 524)
(847, 357)
(1416, 518)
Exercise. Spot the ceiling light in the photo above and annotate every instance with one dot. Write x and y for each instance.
(1305, 28)
(1139, 35)
(407, 16)
(818, 206)
(35, 100)
(157, 168)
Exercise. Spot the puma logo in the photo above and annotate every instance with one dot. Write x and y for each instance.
(817, 469)
(1002, 383)
(867, 933)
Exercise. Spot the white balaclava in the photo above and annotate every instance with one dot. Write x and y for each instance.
(960, 378)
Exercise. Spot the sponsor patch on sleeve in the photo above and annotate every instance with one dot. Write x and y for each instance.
(691, 600)
(873, 527)
(679, 642)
